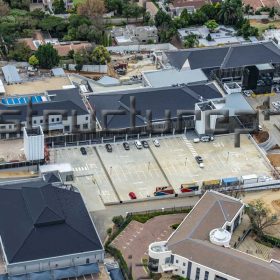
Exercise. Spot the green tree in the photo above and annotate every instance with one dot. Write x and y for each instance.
(210, 10)
(272, 12)
(231, 12)
(162, 18)
(260, 217)
(20, 52)
(100, 55)
(33, 61)
(191, 41)
(118, 221)
(59, 7)
(47, 56)
(212, 25)
(199, 17)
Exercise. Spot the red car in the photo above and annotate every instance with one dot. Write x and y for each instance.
(132, 195)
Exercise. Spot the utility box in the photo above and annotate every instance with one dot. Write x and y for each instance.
(33, 139)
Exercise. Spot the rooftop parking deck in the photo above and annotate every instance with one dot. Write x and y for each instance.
(111, 176)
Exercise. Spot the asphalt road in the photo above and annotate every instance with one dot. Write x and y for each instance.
(103, 218)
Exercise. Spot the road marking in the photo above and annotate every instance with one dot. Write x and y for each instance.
(140, 182)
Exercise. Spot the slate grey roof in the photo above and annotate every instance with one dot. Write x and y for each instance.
(11, 74)
(155, 99)
(58, 72)
(191, 240)
(38, 220)
(169, 77)
(226, 57)
(65, 99)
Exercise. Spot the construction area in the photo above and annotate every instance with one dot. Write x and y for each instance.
(37, 86)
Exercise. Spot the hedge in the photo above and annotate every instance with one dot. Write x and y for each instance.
(271, 240)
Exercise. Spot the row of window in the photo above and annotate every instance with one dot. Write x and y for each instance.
(197, 272)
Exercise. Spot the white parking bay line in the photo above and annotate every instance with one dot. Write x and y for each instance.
(140, 182)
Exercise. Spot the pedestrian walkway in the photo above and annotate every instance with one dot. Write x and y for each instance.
(190, 146)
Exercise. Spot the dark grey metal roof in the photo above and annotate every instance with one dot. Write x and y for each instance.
(38, 220)
(226, 57)
(155, 99)
(11, 74)
(65, 99)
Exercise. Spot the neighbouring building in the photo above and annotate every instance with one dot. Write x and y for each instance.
(272, 34)
(222, 36)
(200, 247)
(253, 66)
(60, 111)
(46, 231)
(132, 34)
(177, 6)
(47, 4)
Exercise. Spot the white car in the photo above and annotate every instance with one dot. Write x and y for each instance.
(275, 104)
(196, 140)
(138, 144)
(156, 143)
(260, 127)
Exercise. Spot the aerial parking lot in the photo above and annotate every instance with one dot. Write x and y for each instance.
(105, 177)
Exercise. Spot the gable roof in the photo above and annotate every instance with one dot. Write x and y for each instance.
(191, 240)
(39, 221)
(225, 57)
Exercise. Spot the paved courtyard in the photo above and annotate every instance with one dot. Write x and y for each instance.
(134, 241)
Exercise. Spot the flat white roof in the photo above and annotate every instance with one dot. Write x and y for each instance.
(61, 167)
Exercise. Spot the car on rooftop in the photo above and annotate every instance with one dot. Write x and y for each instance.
(126, 146)
(156, 142)
(145, 144)
(109, 148)
(132, 195)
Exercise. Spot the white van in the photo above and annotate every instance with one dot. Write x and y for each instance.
(138, 144)
(196, 140)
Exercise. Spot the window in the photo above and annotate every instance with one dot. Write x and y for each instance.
(184, 264)
(177, 261)
(66, 128)
(41, 121)
(183, 271)
(52, 119)
(2, 127)
(34, 121)
(172, 259)
(85, 126)
(87, 260)
(206, 275)
(167, 260)
(10, 126)
(189, 270)
(86, 118)
(57, 119)
(197, 273)
(153, 264)
(217, 277)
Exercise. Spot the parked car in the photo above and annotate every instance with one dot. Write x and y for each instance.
(196, 140)
(156, 143)
(109, 148)
(138, 144)
(145, 144)
(260, 128)
(126, 146)
(199, 160)
(206, 138)
(132, 195)
(247, 93)
(83, 151)
(275, 105)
